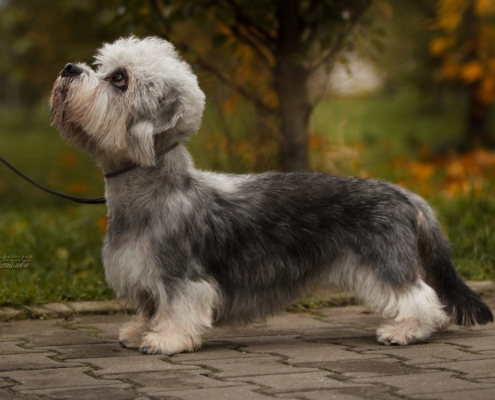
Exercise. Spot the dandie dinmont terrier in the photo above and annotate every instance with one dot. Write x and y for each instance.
(192, 249)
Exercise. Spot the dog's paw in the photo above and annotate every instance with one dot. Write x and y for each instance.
(168, 344)
(401, 333)
(131, 335)
(149, 350)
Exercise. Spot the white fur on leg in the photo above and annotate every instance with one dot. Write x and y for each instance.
(417, 313)
(177, 327)
(131, 334)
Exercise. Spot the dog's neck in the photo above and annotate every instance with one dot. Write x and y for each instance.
(172, 168)
(164, 144)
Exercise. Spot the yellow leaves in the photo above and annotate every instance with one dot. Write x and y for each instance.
(439, 45)
(449, 14)
(77, 188)
(421, 171)
(484, 7)
(316, 141)
(102, 224)
(449, 71)
(487, 90)
(452, 175)
(464, 42)
(68, 159)
(229, 105)
(471, 71)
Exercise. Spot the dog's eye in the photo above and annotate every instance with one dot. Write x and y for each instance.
(119, 80)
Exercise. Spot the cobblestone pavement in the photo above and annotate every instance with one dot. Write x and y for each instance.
(330, 354)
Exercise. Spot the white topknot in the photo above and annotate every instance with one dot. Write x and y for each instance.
(155, 70)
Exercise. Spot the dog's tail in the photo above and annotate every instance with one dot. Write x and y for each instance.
(461, 303)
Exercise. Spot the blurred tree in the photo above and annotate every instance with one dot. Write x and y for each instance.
(38, 37)
(279, 51)
(464, 42)
(405, 57)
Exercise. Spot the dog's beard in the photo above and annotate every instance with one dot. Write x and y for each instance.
(61, 117)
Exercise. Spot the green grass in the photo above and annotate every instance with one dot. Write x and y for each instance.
(63, 245)
(469, 222)
(387, 127)
(365, 136)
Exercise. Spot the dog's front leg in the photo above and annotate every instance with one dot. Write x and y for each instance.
(131, 334)
(178, 324)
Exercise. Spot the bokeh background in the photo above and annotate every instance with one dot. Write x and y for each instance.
(396, 90)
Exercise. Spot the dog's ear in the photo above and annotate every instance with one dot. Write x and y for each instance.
(142, 133)
(169, 113)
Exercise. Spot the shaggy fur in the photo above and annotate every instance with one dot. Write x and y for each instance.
(190, 249)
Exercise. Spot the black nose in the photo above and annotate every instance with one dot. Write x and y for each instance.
(71, 70)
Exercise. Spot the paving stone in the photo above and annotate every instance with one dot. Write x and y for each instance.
(214, 351)
(314, 352)
(311, 338)
(95, 350)
(106, 392)
(225, 333)
(353, 393)
(275, 384)
(55, 378)
(246, 366)
(9, 312)
(283, 324)
(151, 382)
(5, 395)
(53, 308)
(266, 341)
(364, 368)
(228, 393)
(96, 306)
(471, 369)
(46, 333)
(104, 326)
(419, 385)
(476, 394)
(362, 342)
(475, 343)
(350, 314)
(139, 363)
(16, 328)
(423, 354)
(295, 322)
(293, 356)
(12, 347)
(12, 362)
(61, 338)
(113, 319)
(333, 335)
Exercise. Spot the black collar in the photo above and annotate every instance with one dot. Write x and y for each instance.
(134, 165)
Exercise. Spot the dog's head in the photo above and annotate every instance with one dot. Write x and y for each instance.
(140, 89)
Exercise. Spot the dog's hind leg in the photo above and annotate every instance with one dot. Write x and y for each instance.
(416, 312)
(178, 324)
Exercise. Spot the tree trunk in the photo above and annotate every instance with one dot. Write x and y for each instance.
(294, 113)
(291, 87)
(476, 132)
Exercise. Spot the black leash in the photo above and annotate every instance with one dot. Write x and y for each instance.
(99, 200)
(83, 200)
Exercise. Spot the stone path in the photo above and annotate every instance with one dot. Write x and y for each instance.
(331, 354)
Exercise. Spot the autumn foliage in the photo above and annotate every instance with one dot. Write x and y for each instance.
(464, 42)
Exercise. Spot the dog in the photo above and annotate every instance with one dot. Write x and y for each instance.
(191, 249)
